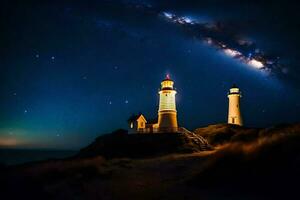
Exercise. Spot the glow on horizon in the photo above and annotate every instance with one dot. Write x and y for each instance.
(8, 142)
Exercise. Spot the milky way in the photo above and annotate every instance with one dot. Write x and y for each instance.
(217, 35)
(221, 37)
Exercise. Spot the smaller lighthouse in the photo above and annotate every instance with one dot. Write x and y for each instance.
(234, 112)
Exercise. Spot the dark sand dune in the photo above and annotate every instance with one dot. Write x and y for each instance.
(246, 164)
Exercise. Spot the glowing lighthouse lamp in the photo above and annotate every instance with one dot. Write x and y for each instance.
(234, 112)
(167, 114)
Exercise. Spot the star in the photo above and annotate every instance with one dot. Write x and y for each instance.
(52, 58)
(116, 67)
(37, 55)
(109, 102)
(25, 111)
(126, 101)
(15, 94)
(84, 77)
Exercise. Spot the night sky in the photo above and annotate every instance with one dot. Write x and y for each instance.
(72, 71)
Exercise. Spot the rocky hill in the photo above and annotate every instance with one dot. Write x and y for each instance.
(121, 144)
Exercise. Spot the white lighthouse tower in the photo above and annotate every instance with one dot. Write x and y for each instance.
(167, 114)
(234, 112)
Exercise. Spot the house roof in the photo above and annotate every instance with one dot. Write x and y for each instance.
(134, 118)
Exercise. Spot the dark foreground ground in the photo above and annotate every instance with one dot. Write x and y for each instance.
(245, 164)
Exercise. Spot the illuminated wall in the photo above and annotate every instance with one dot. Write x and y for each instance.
(137, 124)
(167, 100)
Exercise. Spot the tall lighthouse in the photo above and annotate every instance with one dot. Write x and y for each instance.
(167, 114)
(234, 112)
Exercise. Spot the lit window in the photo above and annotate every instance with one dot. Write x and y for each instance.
(131, 125)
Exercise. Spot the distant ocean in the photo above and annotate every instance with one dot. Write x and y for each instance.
(20, 156)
